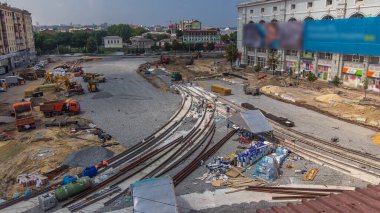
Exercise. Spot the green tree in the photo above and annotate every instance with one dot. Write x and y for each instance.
(233, 37)
(179, 33)
(257, 68)
(336, 82)
(64, 38)
(365, 87)
(49, 44)
(231, 53)
(211, 46)
(273, 60)
(99, 35)
(122, 30)
(169, 31)
(176, 45)
(225, 38)
(162, 37)
(149, 36)
(312, 77)
(167, 46)
(139, 31)
(91, 44)
(79, 39)
(155, 47)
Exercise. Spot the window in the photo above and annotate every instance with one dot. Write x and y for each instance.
(293, 6)
(291, 52)
(328, 2)
(261, 50)
(327, 56)
(374, 60)
(251, 11)
(274, 9)
(309, 5)
(262, 10)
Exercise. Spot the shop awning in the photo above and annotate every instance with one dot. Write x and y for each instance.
(373, 74)
(352, 71)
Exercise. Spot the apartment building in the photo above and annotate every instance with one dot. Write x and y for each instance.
(201, 36)
(351, 68)
(16, 37)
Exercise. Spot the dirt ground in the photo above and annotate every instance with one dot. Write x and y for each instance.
(344, 103)
(202, 68)
(40, 150)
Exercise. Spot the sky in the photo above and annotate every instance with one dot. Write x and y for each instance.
(213, 13)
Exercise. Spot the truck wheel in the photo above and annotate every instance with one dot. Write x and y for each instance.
(20, 128)
(33, 126)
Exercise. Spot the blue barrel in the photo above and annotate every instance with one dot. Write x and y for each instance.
(69, 179)
(90, 172)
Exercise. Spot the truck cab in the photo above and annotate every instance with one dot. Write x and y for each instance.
(73, 106)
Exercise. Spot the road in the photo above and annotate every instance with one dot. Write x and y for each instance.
(127, 106)
(308, 121)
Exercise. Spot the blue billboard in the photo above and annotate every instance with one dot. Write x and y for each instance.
(347, 36)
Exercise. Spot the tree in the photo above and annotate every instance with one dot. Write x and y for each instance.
(48, 45)
(257, 68)
(139, 31)
(312, 77)
(122, 30)
(169, 31)
(336, 82)
(149, 36)
(99, 35)
(273, 60)
(211, 46)
(176, 45)
(64, 38)
(167, 46)
(365, 87)
(79, 39)
(91, 44)
(179, 33)
(155, 47)
(233, 37)
(225, 38)
(231, 53)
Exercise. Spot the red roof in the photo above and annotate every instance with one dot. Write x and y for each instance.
(361, 200)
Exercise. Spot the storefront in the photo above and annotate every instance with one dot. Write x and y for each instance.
(307, 66)
(323, 72)
(373, 80)
(291, 66)
(352, 76)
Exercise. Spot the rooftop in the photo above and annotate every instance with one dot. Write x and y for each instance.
(253, 121)
(112, 37)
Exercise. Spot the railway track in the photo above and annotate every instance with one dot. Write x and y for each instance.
(179, 150)
(352, 162)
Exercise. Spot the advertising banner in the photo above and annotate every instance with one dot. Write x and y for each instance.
(348, 36)
(287, 35)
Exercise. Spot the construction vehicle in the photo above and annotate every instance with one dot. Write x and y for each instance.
(176, 76)
(92, 86)
(23, 113)
(29, 75)
(75, 89)
(94, 77)
(251, 90)
(14, 80)
(54, 108)
(164, 59)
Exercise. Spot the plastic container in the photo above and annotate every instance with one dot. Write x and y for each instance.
(71, 189)
(90, 171)
(69, 179)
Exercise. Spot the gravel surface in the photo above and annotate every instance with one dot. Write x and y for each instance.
(308, 121)
(88, 156)
(127, 106)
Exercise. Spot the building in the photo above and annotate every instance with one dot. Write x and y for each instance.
(227, 31)
(140, 42)
(188, 25)
(113, 42)
(201, 36)
(16, 41)
(351, 68)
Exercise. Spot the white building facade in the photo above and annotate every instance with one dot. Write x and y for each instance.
(352, 69)
(113, 42)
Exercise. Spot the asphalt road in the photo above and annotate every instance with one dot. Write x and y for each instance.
(308, 121)
(127, 106)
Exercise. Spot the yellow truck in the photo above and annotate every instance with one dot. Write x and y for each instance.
(220, 89)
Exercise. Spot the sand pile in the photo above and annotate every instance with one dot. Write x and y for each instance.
(272, 90)
(329, 99)
(376, 138)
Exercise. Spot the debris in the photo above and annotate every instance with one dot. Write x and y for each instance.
(254, 153)
(33, 179)
(335, 139)
(267, 169)
(217, 183)
(310, 174)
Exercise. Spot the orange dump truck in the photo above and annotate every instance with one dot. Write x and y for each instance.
(53, 108)
(24, 116)
(220, 89)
